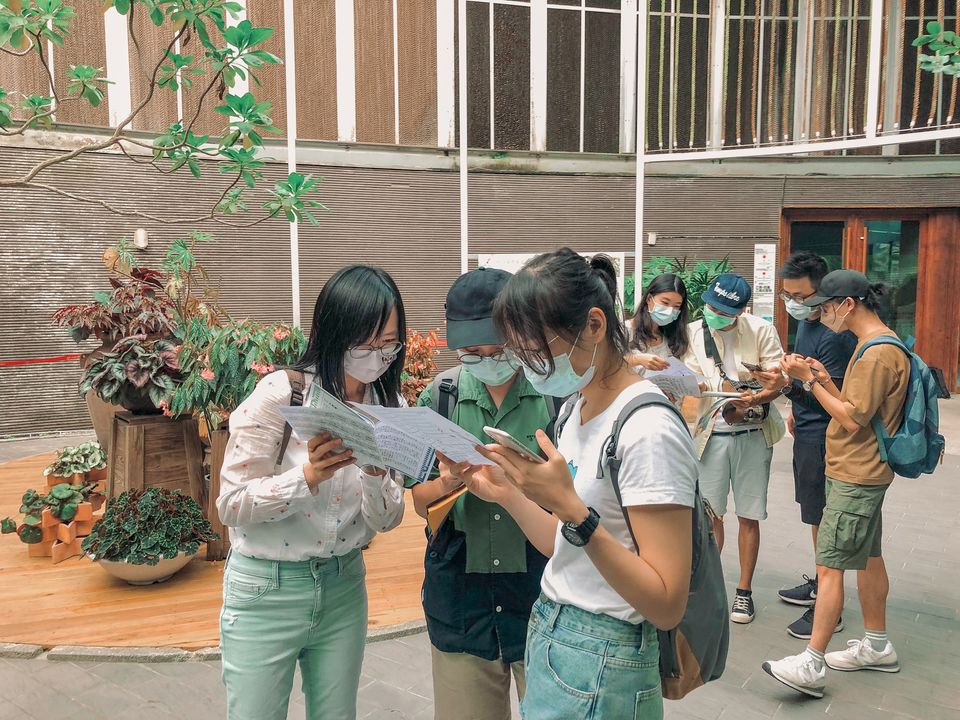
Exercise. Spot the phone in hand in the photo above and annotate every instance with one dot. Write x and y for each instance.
(508, 441)
(751, 367)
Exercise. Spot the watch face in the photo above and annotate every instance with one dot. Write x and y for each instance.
(570, 534)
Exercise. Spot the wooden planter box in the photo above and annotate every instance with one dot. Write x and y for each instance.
(217, 550)
(61, 550)
(155, 451)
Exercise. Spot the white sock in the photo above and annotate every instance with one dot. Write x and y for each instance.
(818, 661)
(878, 639)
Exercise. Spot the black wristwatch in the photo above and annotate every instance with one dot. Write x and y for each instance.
(579, 535)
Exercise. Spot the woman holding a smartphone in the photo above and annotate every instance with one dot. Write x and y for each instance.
(299, 512)
(592, 645)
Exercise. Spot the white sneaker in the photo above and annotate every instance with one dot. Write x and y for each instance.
(860, 655)
(798, 672)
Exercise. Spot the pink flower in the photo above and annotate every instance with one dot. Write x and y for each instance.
(261, 368)
(207, 374)
(280, 334)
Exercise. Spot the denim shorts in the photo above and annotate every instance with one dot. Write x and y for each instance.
(588, 666)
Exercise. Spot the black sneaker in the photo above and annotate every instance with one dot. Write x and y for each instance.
(803, 628)
(805, 594)
(743, 611)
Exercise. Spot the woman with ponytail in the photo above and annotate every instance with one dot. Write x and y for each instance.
(592, 644)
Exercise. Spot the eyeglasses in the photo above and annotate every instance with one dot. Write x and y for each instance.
(534, 359)
(476, 358)
(364, 351)
(785, 296)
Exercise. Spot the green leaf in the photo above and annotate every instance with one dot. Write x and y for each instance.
(933, 28)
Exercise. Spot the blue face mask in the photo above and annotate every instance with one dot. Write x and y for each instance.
(564, 380)
(799, 311)
(664, 315)
(493, 372)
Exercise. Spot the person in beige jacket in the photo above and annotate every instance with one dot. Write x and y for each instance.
(735, 437)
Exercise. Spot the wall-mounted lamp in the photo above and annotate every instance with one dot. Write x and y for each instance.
(651, 238)
(141, 239)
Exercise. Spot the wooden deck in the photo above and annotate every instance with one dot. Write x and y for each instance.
(77, 603)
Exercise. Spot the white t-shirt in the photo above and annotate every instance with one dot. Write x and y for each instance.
(658, 467)
(729, 358)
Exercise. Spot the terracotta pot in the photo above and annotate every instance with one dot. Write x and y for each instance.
(67, 532)
(61, 551)
(84, 527)
(145, 574)
(47, 519)
(84, 512)
(96, 501)
(75, 479)
(41, 549)
(101, 413)
(49, 533)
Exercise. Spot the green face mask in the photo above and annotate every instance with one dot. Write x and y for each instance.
(716, 320)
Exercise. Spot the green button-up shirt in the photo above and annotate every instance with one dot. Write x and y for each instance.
(495, 543)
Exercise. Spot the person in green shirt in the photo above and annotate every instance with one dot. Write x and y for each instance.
(482, 576)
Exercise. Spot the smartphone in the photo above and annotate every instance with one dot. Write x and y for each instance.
(508, 441)
(752, 367)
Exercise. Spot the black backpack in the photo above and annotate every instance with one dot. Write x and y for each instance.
(694, 652)
(445, 397)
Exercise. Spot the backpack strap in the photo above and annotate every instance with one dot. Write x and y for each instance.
(445, 392)
(608, 455)
(875, 422)
(563, 414)
(297, 382)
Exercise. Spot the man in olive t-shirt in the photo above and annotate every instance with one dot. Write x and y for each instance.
(857, 481)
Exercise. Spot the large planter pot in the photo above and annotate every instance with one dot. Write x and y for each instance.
(145, 574)
(101, 413)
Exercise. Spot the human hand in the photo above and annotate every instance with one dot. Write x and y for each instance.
(797, 367)
(771, 380)
(451, 473)
(819, 370)
(488, 482)
(548, 484)
(653, 362)
(325, 455)
(791, 424)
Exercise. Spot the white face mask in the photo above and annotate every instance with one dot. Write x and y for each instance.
(492, 372)
(367, 369)
(564, 380)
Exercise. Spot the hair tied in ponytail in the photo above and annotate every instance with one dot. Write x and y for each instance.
(607, 270)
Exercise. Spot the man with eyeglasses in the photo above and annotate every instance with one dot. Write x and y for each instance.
(482, 576)
(801, 275)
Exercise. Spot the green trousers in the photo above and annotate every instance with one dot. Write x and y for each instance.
(276, 614)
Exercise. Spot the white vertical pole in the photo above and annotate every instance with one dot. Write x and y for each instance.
(718, 34)
(628, 73)
(641, 124)
(462, 91)
(583, 65)
(176, 49)
(290, 72)
(538, 75)
(346, 72)
(396, 78)
(446, 85)
(493, 129)
(118, 65)
(873, 66)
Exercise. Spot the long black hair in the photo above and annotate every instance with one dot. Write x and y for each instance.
(557, 290)
(676, 334)
(354, 305)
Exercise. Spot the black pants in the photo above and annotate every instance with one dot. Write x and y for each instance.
(809, 465)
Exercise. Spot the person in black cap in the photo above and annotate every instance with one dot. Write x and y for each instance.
(734, 439)
(482, 575)
(875, 385)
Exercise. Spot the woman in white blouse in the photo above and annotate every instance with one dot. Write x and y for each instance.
(298, 515)
(659, 329)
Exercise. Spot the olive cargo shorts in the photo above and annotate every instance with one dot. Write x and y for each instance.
(852, 525)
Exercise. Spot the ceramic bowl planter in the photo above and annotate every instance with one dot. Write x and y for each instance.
(145, 574)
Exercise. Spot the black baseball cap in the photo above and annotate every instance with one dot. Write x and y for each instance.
(840, 284)
(469, 308)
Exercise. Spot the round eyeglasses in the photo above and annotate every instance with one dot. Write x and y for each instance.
(364, 351)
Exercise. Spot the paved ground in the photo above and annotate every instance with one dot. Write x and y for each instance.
(921, 536)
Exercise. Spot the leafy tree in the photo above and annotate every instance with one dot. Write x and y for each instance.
(26, 26)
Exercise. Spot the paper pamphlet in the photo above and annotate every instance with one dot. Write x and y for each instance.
(401, 439)
(677, 380)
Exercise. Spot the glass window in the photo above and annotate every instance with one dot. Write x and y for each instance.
(823, 238)
(893, 249)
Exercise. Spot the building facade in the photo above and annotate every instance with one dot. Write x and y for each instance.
(733, 92)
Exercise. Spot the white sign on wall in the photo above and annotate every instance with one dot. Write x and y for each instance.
(512, 262)
(764, 279)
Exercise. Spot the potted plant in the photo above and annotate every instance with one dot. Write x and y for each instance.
(145, 536)
(221, 366)
(419, 364)
(696, 275)
(137, 374)
(76, 464)
(53, 523)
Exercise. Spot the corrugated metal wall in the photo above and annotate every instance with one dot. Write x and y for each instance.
(406, 221)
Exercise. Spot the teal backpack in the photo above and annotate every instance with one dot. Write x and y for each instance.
(917, 446)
